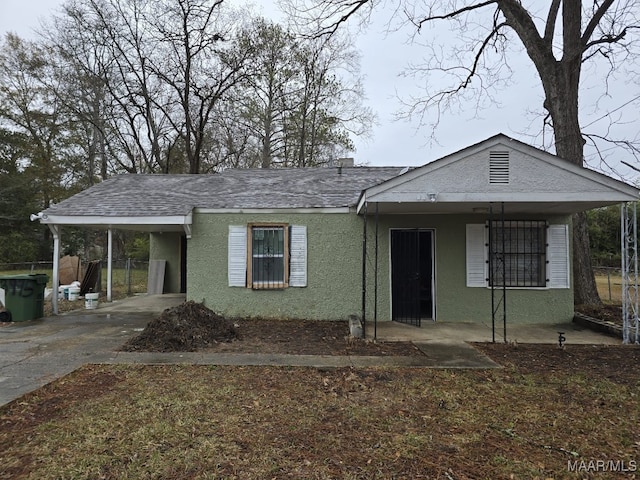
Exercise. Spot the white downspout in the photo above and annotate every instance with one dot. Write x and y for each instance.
(109, 263)
(55, 230)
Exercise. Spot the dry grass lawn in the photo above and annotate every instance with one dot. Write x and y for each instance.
(529, 420)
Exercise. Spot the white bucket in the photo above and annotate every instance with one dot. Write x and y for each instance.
(74, 293)
(91, 301)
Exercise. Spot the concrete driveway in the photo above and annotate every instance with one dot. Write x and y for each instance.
(37, 352)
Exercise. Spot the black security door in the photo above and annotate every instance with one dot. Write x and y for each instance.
(183, 264)
(412, 275)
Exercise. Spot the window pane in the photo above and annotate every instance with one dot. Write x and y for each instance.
(518, 254)
(268, 241)
(268, 270)
(268, 256)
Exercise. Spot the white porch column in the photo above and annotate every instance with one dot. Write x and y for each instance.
(109, 263)
(55, 230)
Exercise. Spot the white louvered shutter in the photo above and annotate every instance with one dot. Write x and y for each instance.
(476, 256)
(237, 267)
(298, 256)
(558, 256)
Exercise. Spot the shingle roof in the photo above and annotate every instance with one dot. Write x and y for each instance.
(166, 195)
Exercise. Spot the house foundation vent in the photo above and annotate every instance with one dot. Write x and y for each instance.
(499, 167)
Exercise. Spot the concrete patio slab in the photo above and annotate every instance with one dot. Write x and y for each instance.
(481, 332)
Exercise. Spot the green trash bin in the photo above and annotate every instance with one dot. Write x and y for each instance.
(24, 295)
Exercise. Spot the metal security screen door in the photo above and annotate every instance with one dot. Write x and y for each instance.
(412, 276)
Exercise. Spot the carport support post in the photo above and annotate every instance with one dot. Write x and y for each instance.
(375, 283)
(364, 272)
(109, 262)
(55, 230)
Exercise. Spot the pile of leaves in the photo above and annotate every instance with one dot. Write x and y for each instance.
(189, 327)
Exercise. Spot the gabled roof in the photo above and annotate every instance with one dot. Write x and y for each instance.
(499, 169)
(166, 202)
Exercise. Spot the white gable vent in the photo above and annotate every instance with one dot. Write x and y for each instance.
(499, 167)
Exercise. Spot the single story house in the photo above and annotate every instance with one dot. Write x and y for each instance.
(441, 242)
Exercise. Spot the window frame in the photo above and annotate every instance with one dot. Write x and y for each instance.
(286, 254)
(558, 257)
(518, 249)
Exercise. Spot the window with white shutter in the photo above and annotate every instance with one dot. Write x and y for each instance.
(237, 261)
(525, 254)
(518, 253)
(558, 265)
(476, 260)
(298, 256)
(268, 265)
(268, 256)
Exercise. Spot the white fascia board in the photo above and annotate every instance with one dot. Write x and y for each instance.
(361, 202)
(513, 197)
(115, 221)
(274, 210)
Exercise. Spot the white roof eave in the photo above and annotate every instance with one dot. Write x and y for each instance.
(148, 222)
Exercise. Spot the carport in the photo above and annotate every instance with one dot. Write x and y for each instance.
(109, 205)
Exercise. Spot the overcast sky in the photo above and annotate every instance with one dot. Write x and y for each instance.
(384, 57)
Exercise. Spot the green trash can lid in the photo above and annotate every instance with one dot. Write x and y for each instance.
(41, 278)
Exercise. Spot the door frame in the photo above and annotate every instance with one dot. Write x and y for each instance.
(433, 268)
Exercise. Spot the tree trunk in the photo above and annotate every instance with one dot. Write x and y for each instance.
(569, 146)
(561, 81)
(585, 291)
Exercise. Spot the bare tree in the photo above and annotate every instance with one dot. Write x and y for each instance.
(330, 106)
(78, 63)
(158, 69)
(559, 42)
(197, 64)
(302, 98)
(28, 108)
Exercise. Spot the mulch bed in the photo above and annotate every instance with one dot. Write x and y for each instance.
(191, 327)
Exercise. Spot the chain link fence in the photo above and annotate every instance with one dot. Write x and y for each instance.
(609, 283)
(129, 276)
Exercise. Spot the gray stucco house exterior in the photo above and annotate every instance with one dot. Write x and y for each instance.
(431, 243)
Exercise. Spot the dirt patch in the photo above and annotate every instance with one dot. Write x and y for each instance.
(614, 362)
(193, 327)
(307, 337)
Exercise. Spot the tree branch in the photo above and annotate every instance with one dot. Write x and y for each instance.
(608, 39)
(551, 21)
(455, 13)
(349, 7)
(629, 146)
(595, 21)
(539, 49)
